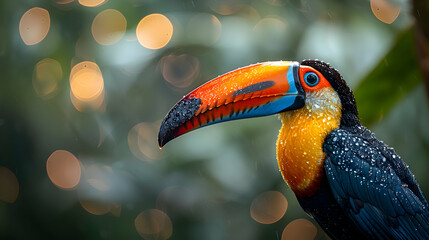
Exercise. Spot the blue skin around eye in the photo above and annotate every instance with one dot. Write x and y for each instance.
(306, 77)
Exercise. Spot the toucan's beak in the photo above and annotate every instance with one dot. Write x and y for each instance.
(257, 90)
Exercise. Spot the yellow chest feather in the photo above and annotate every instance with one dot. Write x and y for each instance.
(300, 142)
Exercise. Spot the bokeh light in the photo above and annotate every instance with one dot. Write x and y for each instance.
(62, 2)
(97, 176)
(154, 31)
(34, 25)
(86, 81)
(268, 207)
(225, 7)
(87, 86)
(153, 224)
(96, 207)
(277, 29)
(47, 74)
(63, 169)
(9, 186)
(204, 29)
(385, 11)
(81, 106)
(91, 3)
(180, 71)
(250, 13)
(299, 229)
(108, 27)
(270, 24)
(142, 140)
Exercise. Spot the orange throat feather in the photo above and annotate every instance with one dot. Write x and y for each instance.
(300, 142)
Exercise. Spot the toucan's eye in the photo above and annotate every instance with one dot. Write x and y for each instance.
(311, 79)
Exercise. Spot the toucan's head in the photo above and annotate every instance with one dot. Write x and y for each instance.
(257, 90)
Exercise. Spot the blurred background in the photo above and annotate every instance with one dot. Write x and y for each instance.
(85, 84)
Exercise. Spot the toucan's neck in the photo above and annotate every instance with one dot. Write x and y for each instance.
(300, 142)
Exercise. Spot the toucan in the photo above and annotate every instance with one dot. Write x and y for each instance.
(351, 183)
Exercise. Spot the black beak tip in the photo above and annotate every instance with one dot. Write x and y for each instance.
(163, 135)
(184, 110)
(160, 142)
(166, 132)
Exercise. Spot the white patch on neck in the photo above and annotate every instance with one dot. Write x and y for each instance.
(324, 100)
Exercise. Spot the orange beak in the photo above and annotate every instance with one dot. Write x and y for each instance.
(257, 90)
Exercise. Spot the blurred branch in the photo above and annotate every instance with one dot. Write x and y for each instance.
(421, 32)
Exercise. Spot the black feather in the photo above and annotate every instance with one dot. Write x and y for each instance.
(376, 190)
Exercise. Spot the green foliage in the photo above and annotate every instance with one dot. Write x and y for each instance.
(394, 76)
